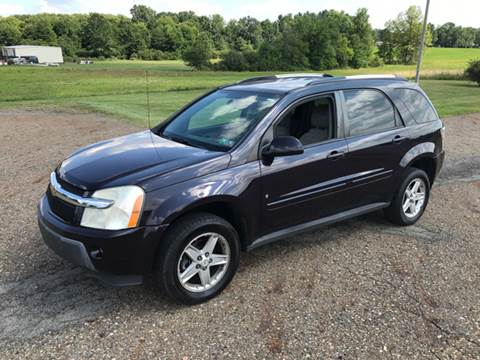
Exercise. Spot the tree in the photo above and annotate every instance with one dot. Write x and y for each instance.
(433, 31)
(10, 33)
(387, 48)
(450, 35)
(362, 40)
(198, 54)
(324, 40)
(447, 35)
(97, 36)
(342, 27)
(243, 34)
(133, 37)
(401, 37)
(166, 35)
(466, 37)
(288, 52)
(189, 33)
(39, 30)
(328, 46)
(217, 28)
(144, 14)
(269, 30)
(67, 28)
(293, 52)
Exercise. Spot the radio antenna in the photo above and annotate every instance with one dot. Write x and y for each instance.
(148, 98)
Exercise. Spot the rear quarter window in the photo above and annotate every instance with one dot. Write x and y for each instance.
(418, 106)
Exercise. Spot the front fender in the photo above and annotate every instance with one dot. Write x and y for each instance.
(238, 187)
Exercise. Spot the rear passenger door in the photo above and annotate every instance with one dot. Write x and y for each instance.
(377, 140)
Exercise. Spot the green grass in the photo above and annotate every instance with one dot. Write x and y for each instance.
(118, 87)
(449, 59)
(452, 97)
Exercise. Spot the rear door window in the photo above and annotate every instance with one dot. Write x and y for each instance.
(418, 106)
(368, 111)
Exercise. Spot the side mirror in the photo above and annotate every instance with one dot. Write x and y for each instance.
(283, 146)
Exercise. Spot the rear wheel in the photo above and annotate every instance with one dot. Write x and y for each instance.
(411, 199)
(198, 258)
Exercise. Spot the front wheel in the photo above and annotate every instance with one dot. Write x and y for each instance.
(198, 258)
(411, 199)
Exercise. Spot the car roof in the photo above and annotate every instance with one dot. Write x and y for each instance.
(284, 83)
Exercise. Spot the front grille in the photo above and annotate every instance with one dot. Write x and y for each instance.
(65, 211)
(69, 187)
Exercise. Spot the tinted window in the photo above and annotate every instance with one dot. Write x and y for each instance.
(368, 111)
(219, 120)
(417, 105)
(311, 122)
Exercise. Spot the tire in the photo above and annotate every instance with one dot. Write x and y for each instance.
(395, 212)
(179, 255)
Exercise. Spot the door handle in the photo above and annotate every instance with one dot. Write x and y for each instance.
(398, 139)
(335, 155)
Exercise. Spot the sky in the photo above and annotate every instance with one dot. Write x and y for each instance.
(461, 12)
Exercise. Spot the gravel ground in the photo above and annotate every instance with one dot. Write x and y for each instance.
(362, 289)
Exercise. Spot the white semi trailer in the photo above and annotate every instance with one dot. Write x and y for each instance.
(44, 54)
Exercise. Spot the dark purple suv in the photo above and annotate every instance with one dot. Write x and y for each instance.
(242, 166)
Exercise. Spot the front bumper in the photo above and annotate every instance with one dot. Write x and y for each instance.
(119, 258)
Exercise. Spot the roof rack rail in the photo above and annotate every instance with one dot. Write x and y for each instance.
(258, 78)
(302, 75)
(358, 77)
(374, 76)
(284, 76)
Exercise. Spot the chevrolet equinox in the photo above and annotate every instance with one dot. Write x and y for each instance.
(242, 166)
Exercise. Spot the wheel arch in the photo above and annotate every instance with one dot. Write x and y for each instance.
(224, 206)
(426, 163)
(422, 156)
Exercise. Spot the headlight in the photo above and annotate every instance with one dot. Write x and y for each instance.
(124, 213)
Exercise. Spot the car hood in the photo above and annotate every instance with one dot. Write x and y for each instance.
(137, 159)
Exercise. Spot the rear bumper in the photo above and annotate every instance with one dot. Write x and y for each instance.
(439, 159)
(119, 258)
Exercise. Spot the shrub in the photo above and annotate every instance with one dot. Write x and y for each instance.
(376, 61)
(233, 61)
(473, 71)
(445, 76)
(150, 54)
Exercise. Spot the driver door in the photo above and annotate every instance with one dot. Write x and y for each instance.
(300, 188)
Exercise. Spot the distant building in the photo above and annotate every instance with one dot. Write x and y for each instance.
(42, 54)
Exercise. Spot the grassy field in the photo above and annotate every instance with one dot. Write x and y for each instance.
(118, 88)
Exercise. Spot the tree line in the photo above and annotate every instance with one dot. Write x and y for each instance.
(324, 40)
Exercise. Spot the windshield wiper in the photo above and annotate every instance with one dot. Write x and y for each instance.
(181, 140)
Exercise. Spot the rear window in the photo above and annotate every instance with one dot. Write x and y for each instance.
(418, 106)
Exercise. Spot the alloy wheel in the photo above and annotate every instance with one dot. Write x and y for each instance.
(414, 198)
(203, 262)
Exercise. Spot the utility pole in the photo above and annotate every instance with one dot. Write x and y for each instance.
(422, 43)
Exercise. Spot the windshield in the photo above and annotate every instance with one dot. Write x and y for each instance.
(219, 120)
